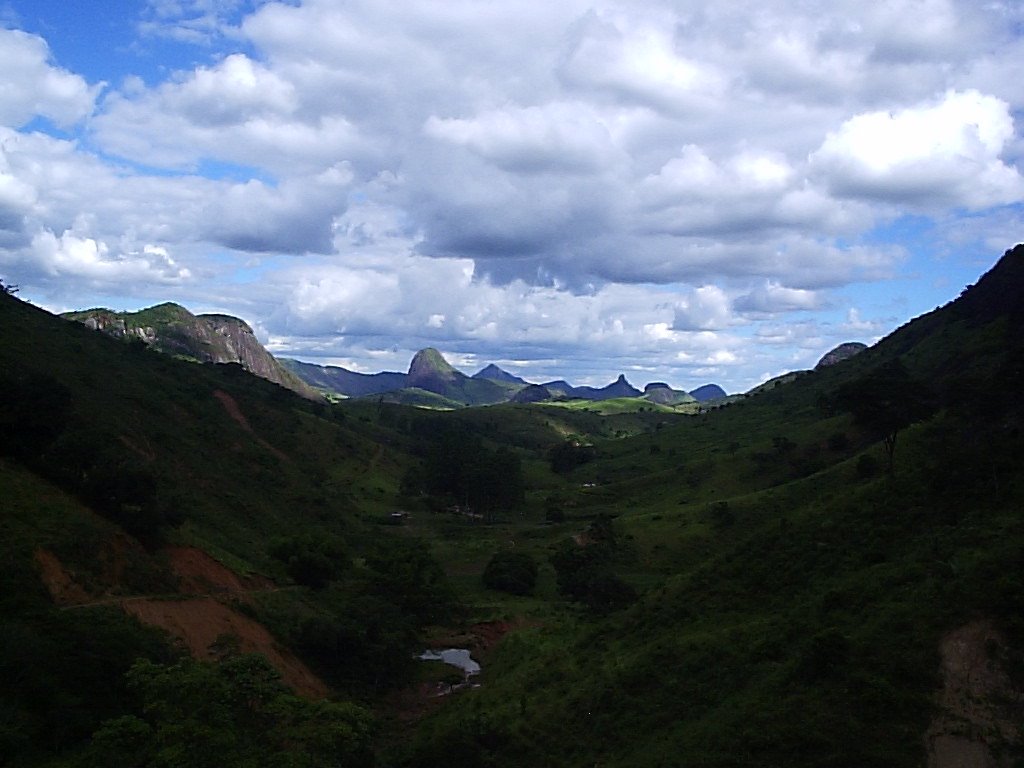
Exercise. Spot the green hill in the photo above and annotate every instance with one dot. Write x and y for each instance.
(821, 573)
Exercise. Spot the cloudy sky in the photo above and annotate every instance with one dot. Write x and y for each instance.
(681, 191)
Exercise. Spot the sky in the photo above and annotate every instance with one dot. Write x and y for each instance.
(680, 191)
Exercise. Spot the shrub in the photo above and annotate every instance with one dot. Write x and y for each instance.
(512, 572)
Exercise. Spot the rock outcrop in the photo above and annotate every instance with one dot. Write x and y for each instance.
(213, 338)
(844, 351)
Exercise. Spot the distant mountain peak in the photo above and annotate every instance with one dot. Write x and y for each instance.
(429, 365)
(492, 372)
(708, 392)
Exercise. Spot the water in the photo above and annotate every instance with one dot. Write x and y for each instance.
(457, 657)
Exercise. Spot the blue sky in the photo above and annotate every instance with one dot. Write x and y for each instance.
(678, 191)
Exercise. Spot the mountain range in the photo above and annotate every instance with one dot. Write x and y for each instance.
(430, 380)
(429, 372)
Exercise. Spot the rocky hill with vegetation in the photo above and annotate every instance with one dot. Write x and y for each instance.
(210, 338)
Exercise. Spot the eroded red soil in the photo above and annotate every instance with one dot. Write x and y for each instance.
(199, 616)
(203, 624)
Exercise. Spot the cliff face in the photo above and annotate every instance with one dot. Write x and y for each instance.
(173, 330)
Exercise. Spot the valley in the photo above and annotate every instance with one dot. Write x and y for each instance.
(201, 566)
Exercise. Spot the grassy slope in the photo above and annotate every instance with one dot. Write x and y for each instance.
(293, 468)
(793, 605)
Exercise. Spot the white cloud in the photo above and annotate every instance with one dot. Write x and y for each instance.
(31, 86)
(237, 89)
(559, 137)
(705, 308)
(638, 61)
(772, 298)
(71, 255)
(582, 183)
(943, 153)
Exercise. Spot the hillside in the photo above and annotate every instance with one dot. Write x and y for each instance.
(153, 507)
(341, 381)
(796, 603)
(826, 572)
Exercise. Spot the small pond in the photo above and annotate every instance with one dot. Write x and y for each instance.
(457, 657)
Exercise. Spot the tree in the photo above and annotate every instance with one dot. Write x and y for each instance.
(512, 572)
(885, 401)
(231, 714)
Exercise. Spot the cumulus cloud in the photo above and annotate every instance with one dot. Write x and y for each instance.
(298, 216)
(32, 86)
(71, 255)
(530, 180)
(705, 308)
(556, 137)
(635, 59)
(772, 298)
(942, 153)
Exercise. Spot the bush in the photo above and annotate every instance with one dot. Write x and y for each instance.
(310, 560)
(566, 456)
(512, 572)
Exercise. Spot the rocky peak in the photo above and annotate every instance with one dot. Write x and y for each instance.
(492, 372)
(844, 351)
(428, 365)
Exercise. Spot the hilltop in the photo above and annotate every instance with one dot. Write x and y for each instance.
(209, 338)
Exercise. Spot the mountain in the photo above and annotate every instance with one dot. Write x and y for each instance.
(559, 388)
(708, 392)
(663, 394)
(494, 373)
(430, 372)
(844, 351)
(209, 338)
(532, 393)
(618, 388)
(341, 381)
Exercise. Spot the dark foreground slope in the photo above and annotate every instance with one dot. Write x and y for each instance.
(159, 515)
(799, 604)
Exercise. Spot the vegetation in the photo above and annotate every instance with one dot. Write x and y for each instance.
(740, 586)
(512, 572)
(232, 713)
